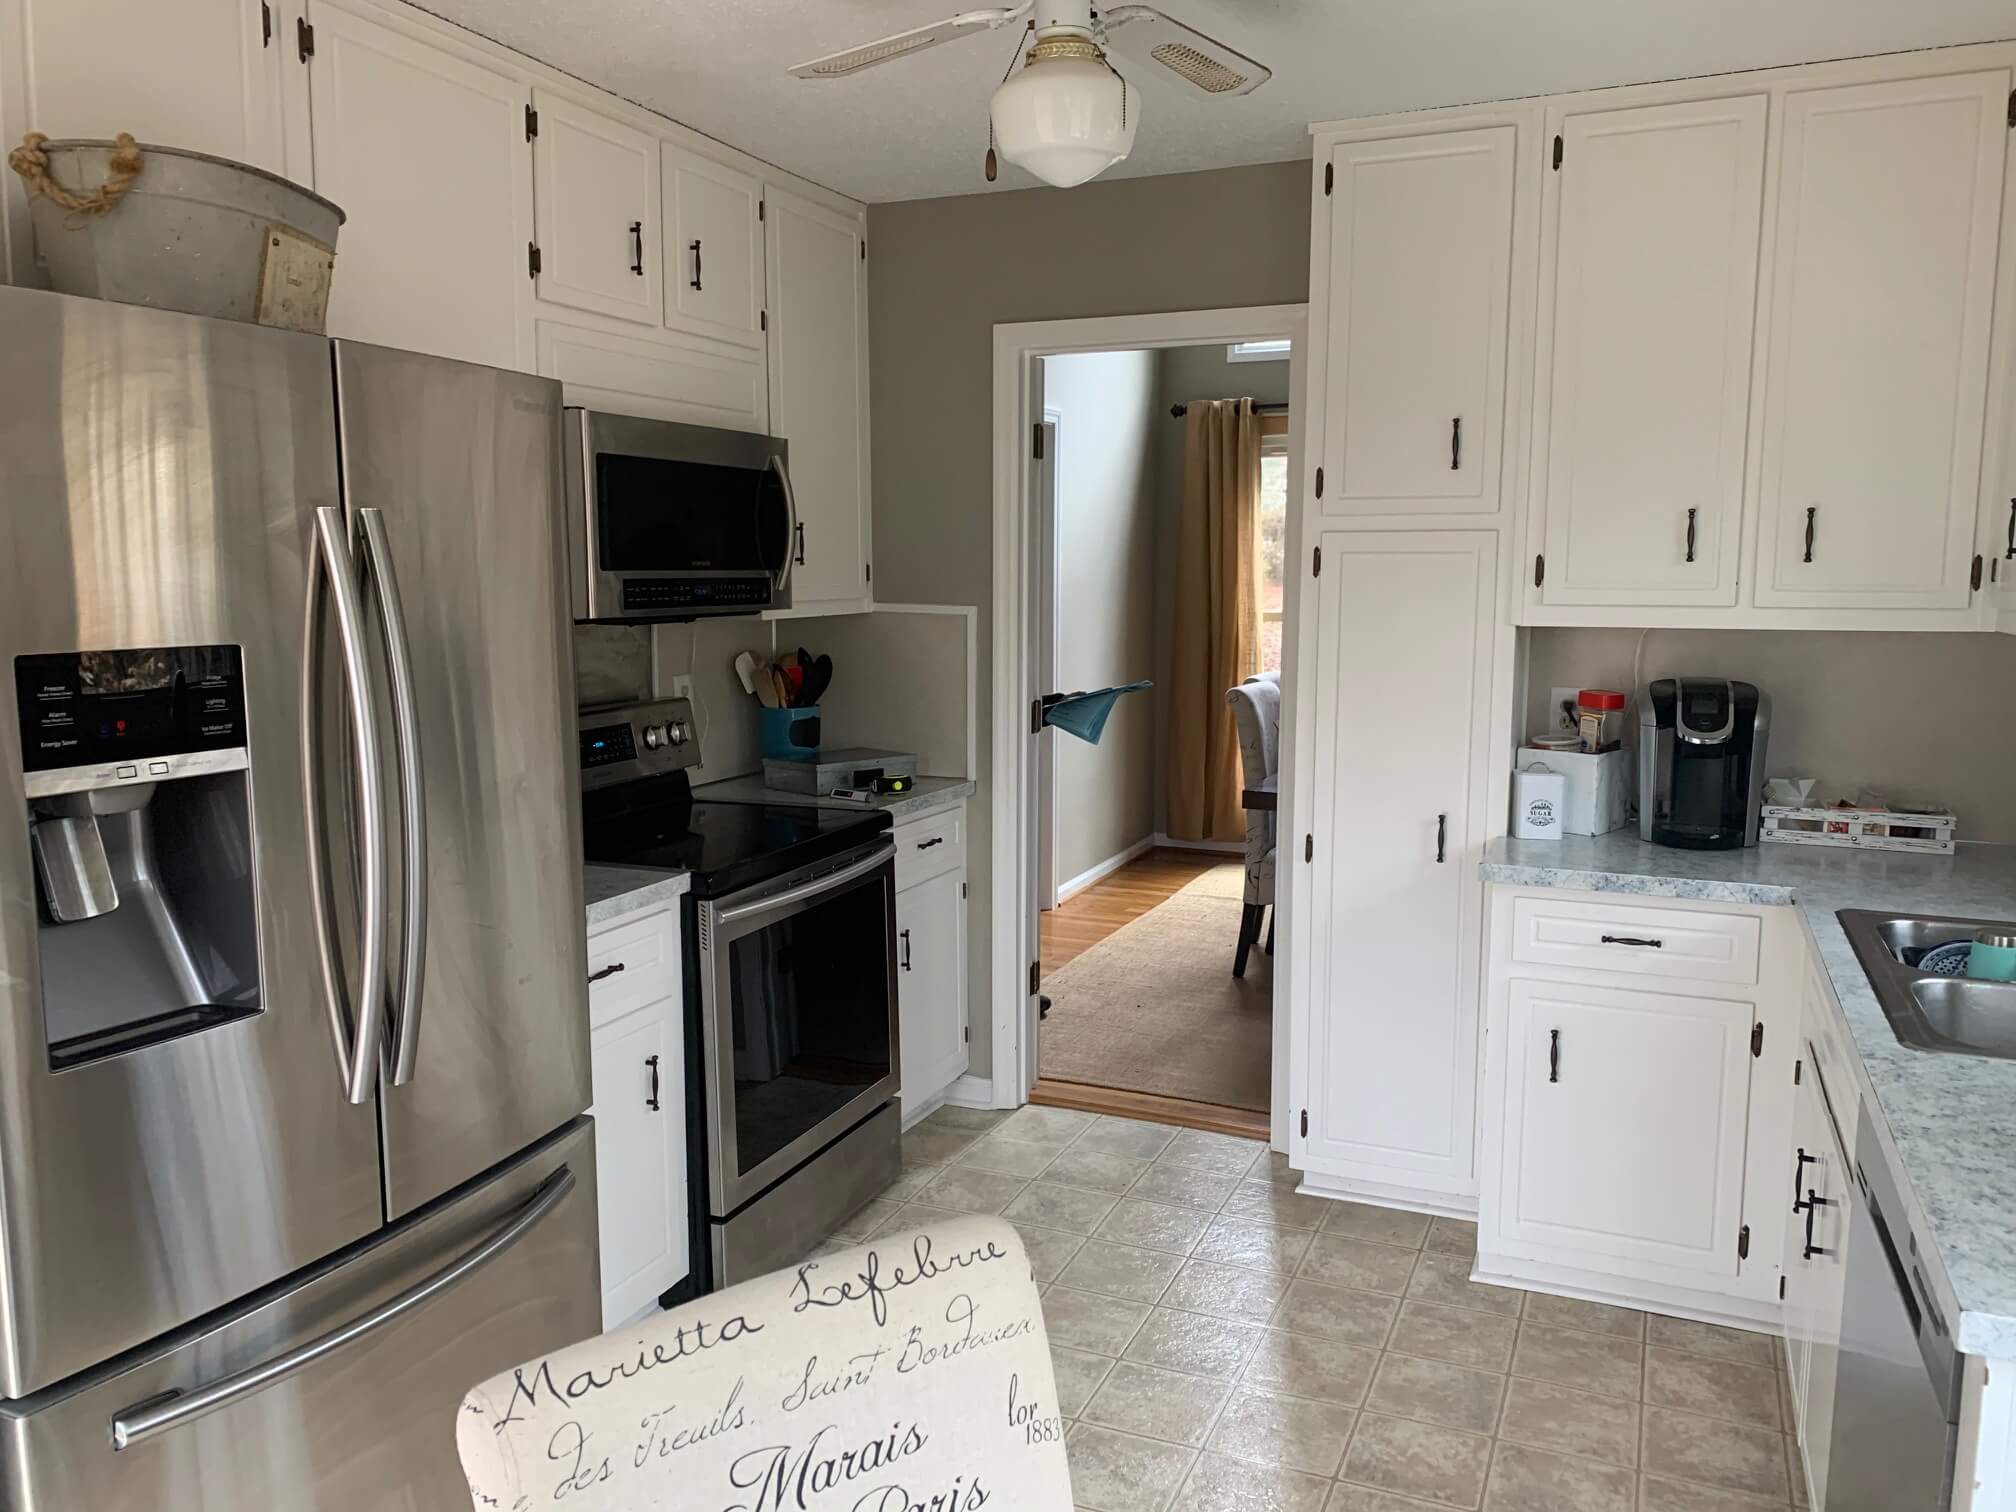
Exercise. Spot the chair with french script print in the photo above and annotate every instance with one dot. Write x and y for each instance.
(909, 1374)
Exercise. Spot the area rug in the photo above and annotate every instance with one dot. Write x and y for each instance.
(1154, 1006)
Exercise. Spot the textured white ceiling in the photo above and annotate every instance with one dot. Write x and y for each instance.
(917, 127)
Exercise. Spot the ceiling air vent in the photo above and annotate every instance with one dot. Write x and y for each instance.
(1201, 69)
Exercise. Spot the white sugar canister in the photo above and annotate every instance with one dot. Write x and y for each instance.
(1539, 802)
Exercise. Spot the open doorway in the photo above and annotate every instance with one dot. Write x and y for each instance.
(1158, 544)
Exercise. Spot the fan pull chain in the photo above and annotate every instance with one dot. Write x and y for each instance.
(992, 166)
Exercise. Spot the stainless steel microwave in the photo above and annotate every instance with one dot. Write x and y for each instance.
(672, 522)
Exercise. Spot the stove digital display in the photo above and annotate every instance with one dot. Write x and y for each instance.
(606, 744)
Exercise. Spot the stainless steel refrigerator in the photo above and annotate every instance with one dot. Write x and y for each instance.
(293, 1019)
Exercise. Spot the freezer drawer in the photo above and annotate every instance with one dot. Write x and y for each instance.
(368, 1426)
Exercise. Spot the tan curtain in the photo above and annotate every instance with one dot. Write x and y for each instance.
(1216, 640)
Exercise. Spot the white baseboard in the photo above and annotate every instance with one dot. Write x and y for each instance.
(1389, 1195)
(971, 1092)
(1221, 847)
(1105, 868)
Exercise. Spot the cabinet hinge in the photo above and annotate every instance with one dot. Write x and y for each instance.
(1305, 1123)
(1539, 570)
(532, 261)
(1797, 1067)
(531, 123)
(962, 889)
(1757, 1039)
(1036, 442)
(1316, 563)
(864, 249)
(1319, 482)
(966, 1034)
(2012, 110)
(1308, 848)
(1979, 563)
(265, 24)
(1557, 154)
(304, 38)
(1035, 716)
(1329, 177)
(763, 320)
(1743, 1242)
(1781, 1288)
(867, 572)
(762, 210)
(1035, 976)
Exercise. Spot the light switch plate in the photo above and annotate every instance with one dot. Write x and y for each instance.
(682, 686)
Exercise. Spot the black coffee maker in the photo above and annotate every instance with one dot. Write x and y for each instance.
(1701, 762)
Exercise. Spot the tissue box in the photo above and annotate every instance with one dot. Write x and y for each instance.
(1600, 788)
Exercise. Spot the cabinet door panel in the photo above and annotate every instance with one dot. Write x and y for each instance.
(819, 391)
(930, 987)
(1648, 297)
(1420, 262)
(713, 249)
(690, 381)
(1889, 211)
(429, 261)
(1625, 1122)
(1390, 1076)
(597, 192)
(641, 1232)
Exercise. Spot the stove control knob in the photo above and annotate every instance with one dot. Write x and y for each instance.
(678, 732)
(654, 737)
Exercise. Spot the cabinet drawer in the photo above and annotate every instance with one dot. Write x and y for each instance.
(632, 963)
(1658, 942)
(926, 847)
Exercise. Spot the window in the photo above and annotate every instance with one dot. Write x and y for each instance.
(1259, 351)
(1273, 549)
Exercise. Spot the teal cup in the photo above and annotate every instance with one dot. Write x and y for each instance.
(1993, 956)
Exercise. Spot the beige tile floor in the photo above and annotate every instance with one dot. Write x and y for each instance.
(1224, 1344)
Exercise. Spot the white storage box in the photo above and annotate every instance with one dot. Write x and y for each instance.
(1538, 799)
(1600, 788)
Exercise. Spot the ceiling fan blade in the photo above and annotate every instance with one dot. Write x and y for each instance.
(1144, 35)
(902, 44)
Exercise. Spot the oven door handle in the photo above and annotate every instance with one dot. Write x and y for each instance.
(791, 533)
(817, 887)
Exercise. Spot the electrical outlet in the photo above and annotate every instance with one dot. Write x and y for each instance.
(682, 686)
(1562, 703)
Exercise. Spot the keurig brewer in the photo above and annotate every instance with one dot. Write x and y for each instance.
(1701, 762)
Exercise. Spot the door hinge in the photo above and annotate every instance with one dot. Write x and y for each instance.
(265, 24)
(1539, 570)
(532, 260)
(1781, 1288)
(1035, 976)
(1316, 563)
(1308, 848)
(1036, 441)
(1743, 1242)
(1557, 154)
(1329, 177)
(1979, 563)
(1305, 1123)
(1319, 482)
(1035, 716)
(531, 123)
(1756, 1039)
(304, 38)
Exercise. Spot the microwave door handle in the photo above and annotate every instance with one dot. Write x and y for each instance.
(412, 792)
(817, 887)
(791, 531)
(330, 564)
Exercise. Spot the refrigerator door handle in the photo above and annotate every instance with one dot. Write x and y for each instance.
(405, 1016)
(157, 1415)
(331, 568)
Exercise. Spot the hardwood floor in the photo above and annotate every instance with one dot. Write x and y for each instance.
(1086, 918)
(1082, 921)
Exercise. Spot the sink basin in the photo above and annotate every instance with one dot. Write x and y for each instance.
(1942, 1014)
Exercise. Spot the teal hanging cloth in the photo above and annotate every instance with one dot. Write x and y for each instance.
(1085, 714)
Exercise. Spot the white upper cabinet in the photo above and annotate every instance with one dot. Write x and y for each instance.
(596, 192)
(819, 392)
(713, 241)
(1882, 288)
(1388, 1083)
(1650, 226)
(1420, 269)
(692, 382)
(429, 259)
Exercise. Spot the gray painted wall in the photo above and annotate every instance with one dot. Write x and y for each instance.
(1106, 497)
(941, 273)
(1186, 373)
(1914, 716)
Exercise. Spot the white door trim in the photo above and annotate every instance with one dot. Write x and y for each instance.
(1014, 861)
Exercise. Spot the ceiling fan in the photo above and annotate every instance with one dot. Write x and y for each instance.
(1070, 114)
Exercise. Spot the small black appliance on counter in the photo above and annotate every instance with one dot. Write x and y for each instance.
(1701, 762)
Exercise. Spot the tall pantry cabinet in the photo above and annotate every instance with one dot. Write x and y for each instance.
(1404, 668)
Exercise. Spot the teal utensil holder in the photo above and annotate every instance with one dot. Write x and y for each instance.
(790, 734)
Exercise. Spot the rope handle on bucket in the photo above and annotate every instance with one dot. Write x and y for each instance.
(32, 163)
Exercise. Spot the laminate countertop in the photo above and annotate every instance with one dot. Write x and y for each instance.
(1950, 1119)
(616, 891)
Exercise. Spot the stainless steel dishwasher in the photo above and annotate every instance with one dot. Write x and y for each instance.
(1897, 1386)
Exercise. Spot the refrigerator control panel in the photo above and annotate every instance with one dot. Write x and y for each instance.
(105, 708)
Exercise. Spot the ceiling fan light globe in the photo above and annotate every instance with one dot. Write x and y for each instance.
(1066, 120)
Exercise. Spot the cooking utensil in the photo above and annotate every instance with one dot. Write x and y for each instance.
(766, 686)
(794, 679)
(745, 669)
(780, 688)
(818, 679)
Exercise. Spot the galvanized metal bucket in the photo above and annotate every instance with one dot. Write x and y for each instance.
(195, 233)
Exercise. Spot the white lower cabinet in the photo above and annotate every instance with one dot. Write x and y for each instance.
(930, 958)
(637, 1046)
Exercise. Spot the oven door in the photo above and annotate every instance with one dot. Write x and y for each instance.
(798, 1013)
(671, 521)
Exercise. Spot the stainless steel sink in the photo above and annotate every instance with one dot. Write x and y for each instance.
(1947, 1015)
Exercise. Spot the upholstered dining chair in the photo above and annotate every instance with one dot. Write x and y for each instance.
(1256, 711)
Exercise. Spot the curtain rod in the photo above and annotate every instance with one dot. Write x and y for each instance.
(1178, 411)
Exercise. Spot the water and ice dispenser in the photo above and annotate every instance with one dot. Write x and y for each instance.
(137, 778)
